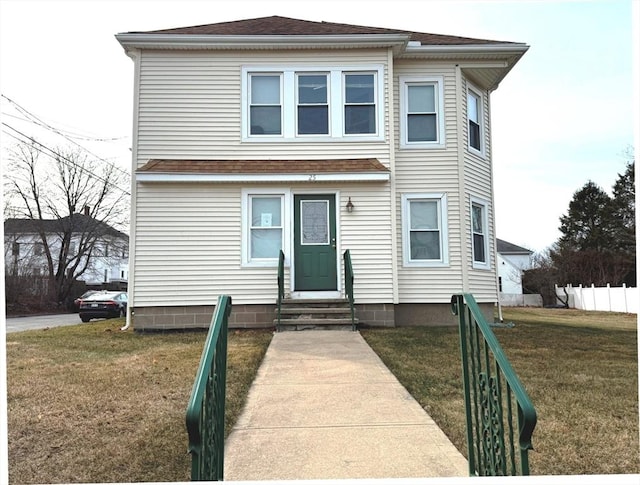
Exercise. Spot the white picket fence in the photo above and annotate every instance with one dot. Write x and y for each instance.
(602, 299)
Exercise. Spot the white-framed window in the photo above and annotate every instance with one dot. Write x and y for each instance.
(480, 233)
(475, 116)
(422, 112)
(312, 104)
(359, 103)
(424, 230)
(265, 104)
(301, 103)
(264, 228)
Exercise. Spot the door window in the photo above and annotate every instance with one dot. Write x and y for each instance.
(314, 218)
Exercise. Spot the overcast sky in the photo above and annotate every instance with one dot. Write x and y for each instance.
(563, 115)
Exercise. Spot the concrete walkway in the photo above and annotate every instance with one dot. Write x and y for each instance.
(323, 405)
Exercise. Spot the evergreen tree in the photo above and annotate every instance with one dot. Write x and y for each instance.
(589, 223)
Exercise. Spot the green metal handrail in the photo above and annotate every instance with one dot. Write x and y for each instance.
(348, 286)
(280, 286)
(492, 391)
(205, 412)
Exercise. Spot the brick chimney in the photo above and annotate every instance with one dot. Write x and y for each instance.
(86, 210)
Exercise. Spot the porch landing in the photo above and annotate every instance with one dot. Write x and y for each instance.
(323, 405)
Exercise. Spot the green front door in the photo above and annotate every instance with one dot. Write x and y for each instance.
(314, 251)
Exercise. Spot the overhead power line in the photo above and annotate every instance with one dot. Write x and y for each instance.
(55, 154)
(34, 119)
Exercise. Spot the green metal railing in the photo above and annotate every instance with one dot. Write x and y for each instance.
(205, 412)
(492, 393)
(280, 287)
(348, 286)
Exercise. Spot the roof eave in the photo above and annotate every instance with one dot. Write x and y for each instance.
(507, 53)
(189, 41)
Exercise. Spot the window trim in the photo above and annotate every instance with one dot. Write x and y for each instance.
(438, 82)
(485, 221)
(473, 91)
(441, 198)
(247, 195)
(335, 99)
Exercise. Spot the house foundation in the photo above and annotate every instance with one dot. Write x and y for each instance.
(262, 316)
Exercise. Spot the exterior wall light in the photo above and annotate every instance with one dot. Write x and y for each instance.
(350, 205)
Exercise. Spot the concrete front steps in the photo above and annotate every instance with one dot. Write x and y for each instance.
(305, 314)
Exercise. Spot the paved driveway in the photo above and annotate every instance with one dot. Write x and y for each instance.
(18, 324)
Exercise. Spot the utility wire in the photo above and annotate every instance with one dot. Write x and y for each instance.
(38, 121)
(55, 154)
(55, 130)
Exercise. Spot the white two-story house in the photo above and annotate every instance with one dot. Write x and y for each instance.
(98, 253)
(270, 134)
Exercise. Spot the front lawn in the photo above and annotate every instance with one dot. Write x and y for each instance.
(89, 403)
(580, 369)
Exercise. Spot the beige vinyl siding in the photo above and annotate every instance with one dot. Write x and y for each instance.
(188, 244)
(479, 184)
(366, 232)
(190, 105)
(433, 170)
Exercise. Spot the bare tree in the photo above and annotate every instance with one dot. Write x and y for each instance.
(73, 202)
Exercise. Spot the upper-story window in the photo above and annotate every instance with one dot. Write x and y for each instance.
(474, 118)
(360, 104)
(313, 104)
(265, 105)
(303, 103)
(422, 112)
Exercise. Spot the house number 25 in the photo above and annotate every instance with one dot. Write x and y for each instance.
(312, 177)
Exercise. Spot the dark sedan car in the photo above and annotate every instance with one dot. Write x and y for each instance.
(77, 301)
(108, 304)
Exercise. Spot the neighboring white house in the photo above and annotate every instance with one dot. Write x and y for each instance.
(24, 249)
(270, 134)
(513, 261)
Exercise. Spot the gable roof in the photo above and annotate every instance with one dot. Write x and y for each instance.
(505, 247)
(78, 223)
(276, 25)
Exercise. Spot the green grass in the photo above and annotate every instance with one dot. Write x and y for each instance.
(89, 403)
(580, 369)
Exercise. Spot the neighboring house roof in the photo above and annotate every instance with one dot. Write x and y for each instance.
(276, 25)
(78, 223)
(505, 247)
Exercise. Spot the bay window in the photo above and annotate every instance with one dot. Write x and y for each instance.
(474, 117)
(479, 233)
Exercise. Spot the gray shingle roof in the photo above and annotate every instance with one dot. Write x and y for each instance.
(78, 223)
(276, 25)
(505, 247)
